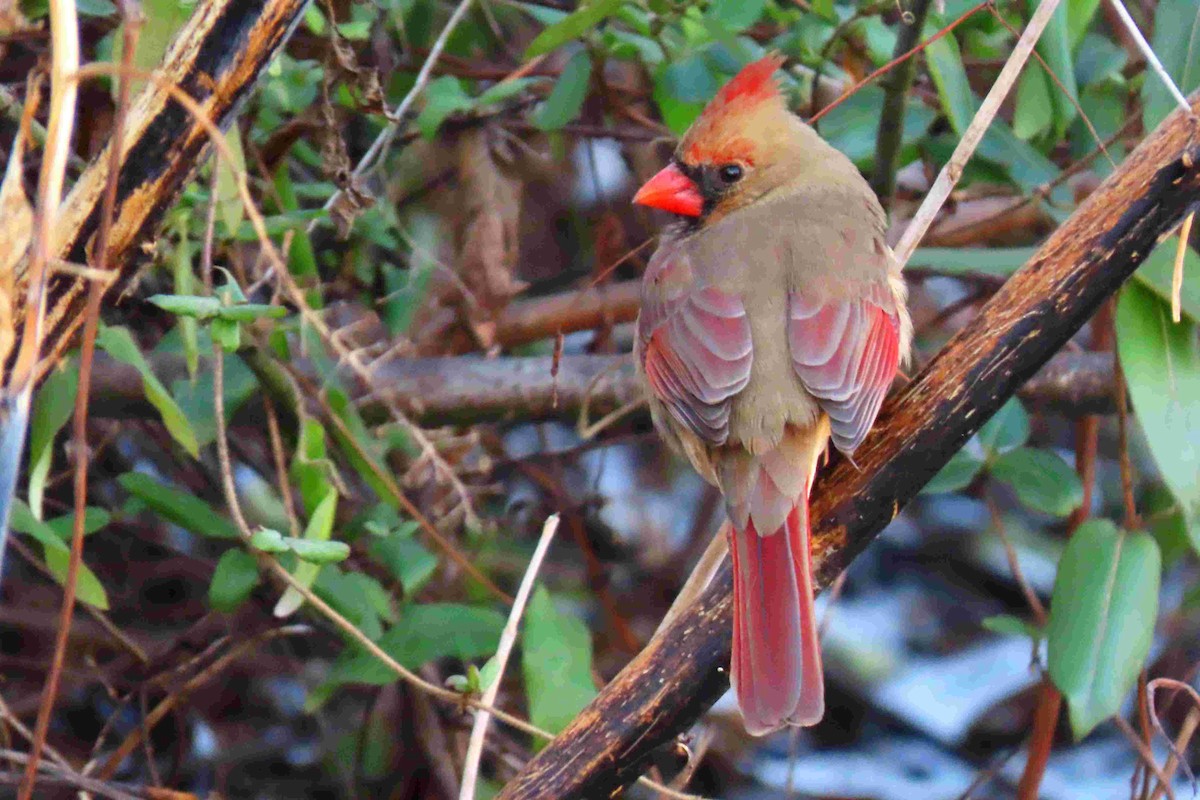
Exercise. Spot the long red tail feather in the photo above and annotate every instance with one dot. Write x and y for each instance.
(776, 670)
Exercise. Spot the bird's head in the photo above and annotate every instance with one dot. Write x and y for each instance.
(742, 146)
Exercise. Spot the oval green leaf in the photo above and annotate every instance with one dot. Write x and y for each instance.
(1041, 479)
(1101, 619)
(1162, 366)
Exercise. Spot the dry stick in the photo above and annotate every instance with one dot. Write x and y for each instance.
(69, 777)
(397, 119)
(1185, 233)
(1186, 731)
(1145, 753)
(64, 39)
(948, 177)
(1151, 57)
(164, 706)
(64, 34)
(508, 638)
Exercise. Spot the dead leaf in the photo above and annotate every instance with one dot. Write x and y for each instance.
(488, 245)
(16, 229)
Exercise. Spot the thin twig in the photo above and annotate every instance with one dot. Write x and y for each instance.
(164, 707)
(895, 102)
(68, 777)
(1186, 731)
(952, 171)
(1151, 58)
(65, 38)
(398, 118)
(508, 638)
(1147, 757)
(1185, 233)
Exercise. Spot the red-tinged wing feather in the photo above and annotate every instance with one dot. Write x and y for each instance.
(846, 353)
(696, 353)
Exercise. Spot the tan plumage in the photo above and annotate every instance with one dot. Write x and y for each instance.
(773, 315)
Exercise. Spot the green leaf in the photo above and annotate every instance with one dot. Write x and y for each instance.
(95, 8)
(566, 99)
(233, 580)
(489, 673)
(1157, 270)
(1008, 625)
(317, 532)
(1034, 112)
(23, 521)
(556, 658)
(735, 16)
(229, 201)
(1161, 362)
(1054, 46)
(93, 520)
(443, 97)
(160, 19)
(185, 281)
(320, 552)
(182, 508)
(999, 261)
(269, 540)
(572, 26)
(424, 633)
(119, 344)
(1041, 479)
(407, 560)
(53, 407)
(227, 334)
(1102, 619)
(1027, 168)
(853, 125)
(88, 588)
(957, 474)
(187, 305)
(1008, 428)
(249, 312)
(1079, 18)
(950, 77)
(1176, 42)
(498, 93)
(688, 79)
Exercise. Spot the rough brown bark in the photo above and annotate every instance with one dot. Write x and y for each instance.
(215, 59)
(683, 670)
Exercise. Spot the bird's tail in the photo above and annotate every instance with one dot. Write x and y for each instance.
(776, 668)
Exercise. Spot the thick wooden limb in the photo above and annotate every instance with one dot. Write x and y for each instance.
(215, 59)
(470, 389)
(683, 670)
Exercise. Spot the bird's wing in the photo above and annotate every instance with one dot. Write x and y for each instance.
(845, 352)
(695, 350)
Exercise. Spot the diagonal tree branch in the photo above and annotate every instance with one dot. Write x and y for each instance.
(683, 670)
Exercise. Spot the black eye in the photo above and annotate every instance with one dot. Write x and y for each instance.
(731, 173)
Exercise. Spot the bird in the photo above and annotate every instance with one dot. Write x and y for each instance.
(772, 320)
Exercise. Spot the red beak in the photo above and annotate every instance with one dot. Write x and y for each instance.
(672, 191)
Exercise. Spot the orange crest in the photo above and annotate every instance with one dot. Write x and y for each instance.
(717, 134)
(752, 85)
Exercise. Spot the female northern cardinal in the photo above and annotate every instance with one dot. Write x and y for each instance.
(772, 319)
